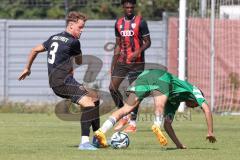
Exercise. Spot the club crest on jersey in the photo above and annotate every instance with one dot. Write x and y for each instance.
(121, 26)
(133, 25)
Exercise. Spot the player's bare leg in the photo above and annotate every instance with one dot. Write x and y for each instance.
(159, 101)
(131, 102)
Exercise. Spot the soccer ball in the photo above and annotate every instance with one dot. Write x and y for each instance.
(119, 140)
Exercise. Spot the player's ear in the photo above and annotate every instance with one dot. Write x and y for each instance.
(70, 25)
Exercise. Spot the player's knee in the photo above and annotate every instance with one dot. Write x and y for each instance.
(86, 101)
(93, 94)
(125, 111)
(159, 106)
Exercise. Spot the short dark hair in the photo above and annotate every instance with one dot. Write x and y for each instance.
(129, 1)
(75, 16)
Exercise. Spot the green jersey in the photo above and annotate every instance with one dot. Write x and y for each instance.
(175, 89)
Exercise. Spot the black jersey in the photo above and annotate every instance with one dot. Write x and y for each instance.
(61, 49)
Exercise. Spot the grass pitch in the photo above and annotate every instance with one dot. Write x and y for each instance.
(45, 137)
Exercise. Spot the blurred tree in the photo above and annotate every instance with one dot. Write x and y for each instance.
(153, 9)
(95, 9)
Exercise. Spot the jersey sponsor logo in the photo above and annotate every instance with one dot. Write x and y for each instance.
(127, 33)
(60, 38)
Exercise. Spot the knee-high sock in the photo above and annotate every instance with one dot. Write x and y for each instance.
(95, 115)
(108, 124)
(134, 113)
(85, 121)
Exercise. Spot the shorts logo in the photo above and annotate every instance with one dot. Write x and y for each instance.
(127, 33)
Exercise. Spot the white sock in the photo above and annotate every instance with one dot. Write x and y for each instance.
(133, 123)
(108, 124)
(158, 120)
(85, 139)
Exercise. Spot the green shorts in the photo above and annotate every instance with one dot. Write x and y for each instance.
(175, 89)
(150, 80)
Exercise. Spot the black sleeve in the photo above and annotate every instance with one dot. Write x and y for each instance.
(46, 44)
(144, 31)
(117, 34)
(75, 48)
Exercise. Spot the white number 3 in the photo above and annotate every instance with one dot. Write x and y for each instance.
(53, 52)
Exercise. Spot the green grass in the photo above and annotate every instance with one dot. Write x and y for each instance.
(44, 137)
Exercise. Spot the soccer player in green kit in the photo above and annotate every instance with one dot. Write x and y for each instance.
(168, 91)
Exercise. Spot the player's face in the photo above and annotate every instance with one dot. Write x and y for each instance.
(128, 9)
(77, 28)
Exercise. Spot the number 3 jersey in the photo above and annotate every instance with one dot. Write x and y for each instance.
(61, 48)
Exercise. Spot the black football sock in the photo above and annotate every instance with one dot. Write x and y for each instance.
(95, 115)
(117, 98)
(85, 121)
(134, 113)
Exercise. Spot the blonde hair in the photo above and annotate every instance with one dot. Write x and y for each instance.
(74, 16)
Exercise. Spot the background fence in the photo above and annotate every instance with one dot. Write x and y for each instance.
(226, 47)
(19, 36)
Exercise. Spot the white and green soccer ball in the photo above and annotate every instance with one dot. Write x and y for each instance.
(119, 140)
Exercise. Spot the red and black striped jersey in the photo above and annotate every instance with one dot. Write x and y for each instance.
(131, 33)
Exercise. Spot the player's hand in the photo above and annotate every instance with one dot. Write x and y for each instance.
(135, 55)
(24, 74)
(211, 138)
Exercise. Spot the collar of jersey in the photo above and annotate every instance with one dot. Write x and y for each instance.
(129, 19)
(68, 34)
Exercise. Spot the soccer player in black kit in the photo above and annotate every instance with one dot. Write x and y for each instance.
(63, 51)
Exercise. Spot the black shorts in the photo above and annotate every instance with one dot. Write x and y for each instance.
(131, 71)
(70, 90)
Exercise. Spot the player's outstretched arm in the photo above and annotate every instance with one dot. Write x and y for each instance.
(32, 55)
(208, 115)
(171, 133)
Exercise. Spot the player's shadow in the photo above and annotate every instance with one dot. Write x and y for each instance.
(201, 148)
(197, 148)
(171, 149)
(145, 130)
(73, 146)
